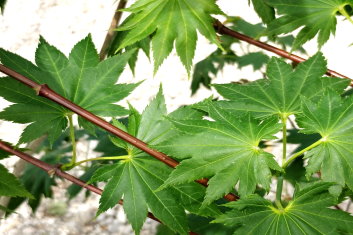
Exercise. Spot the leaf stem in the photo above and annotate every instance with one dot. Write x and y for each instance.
(344, 13)
(279, 189)
(279, 192)
(101, 158)
(284, 138)
(294, 156)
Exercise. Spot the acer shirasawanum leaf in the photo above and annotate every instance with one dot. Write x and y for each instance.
(10, 186)
(280, 94)
(331, 117)
(227, 150)
(315, 16)
(80, 78)
(307, 213)
(136, 178)
(172, 21)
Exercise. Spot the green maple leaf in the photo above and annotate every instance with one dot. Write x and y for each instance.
(136, 178)
(171, 20)
(331, 118)
(227, 148)
(315, 16)
(10, 186)
(307, 213)
(280, 94)
(80, 78)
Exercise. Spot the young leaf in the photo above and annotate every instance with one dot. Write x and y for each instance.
(331, 118)
(226, 150)
(315, 16)
(10, 186)
(280, 94)
(171, 20)
(137, 178)
(80, 78)
(307, 213)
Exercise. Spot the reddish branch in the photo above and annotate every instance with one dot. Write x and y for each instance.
(221, 29)
(51, 169)
(45, 91)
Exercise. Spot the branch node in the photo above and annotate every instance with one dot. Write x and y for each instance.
(54, 170)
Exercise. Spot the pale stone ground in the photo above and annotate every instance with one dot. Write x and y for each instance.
(63, 23)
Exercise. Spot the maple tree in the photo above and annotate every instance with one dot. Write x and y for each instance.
(218, 147)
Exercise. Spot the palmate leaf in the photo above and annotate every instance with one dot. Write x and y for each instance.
(307, 213)
(280, 94)
(137, 178)
(171, 20)
(81, 78)
(227, 148)
(315, 16)
(331, 117)
(10, 186)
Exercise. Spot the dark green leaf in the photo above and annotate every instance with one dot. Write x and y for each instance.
(266, 12)
(256, 59)
(38, 182)
(2, 5)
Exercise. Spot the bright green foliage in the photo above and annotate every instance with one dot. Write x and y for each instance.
(80, 78)
(10, 186)
(136, 178)
(171, 20)
(315, 16)
(331, 117)
(280, 94)
(307, 213)
(227, 148)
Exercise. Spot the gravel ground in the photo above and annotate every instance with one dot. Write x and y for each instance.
(63, 23)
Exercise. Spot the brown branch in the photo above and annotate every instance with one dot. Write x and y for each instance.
(111, 32)
(45, 91)
(53, 169)
(222, 29)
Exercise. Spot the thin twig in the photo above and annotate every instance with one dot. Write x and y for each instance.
(111, 32)
(45, 91)
(53, 169)
(222, 29)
